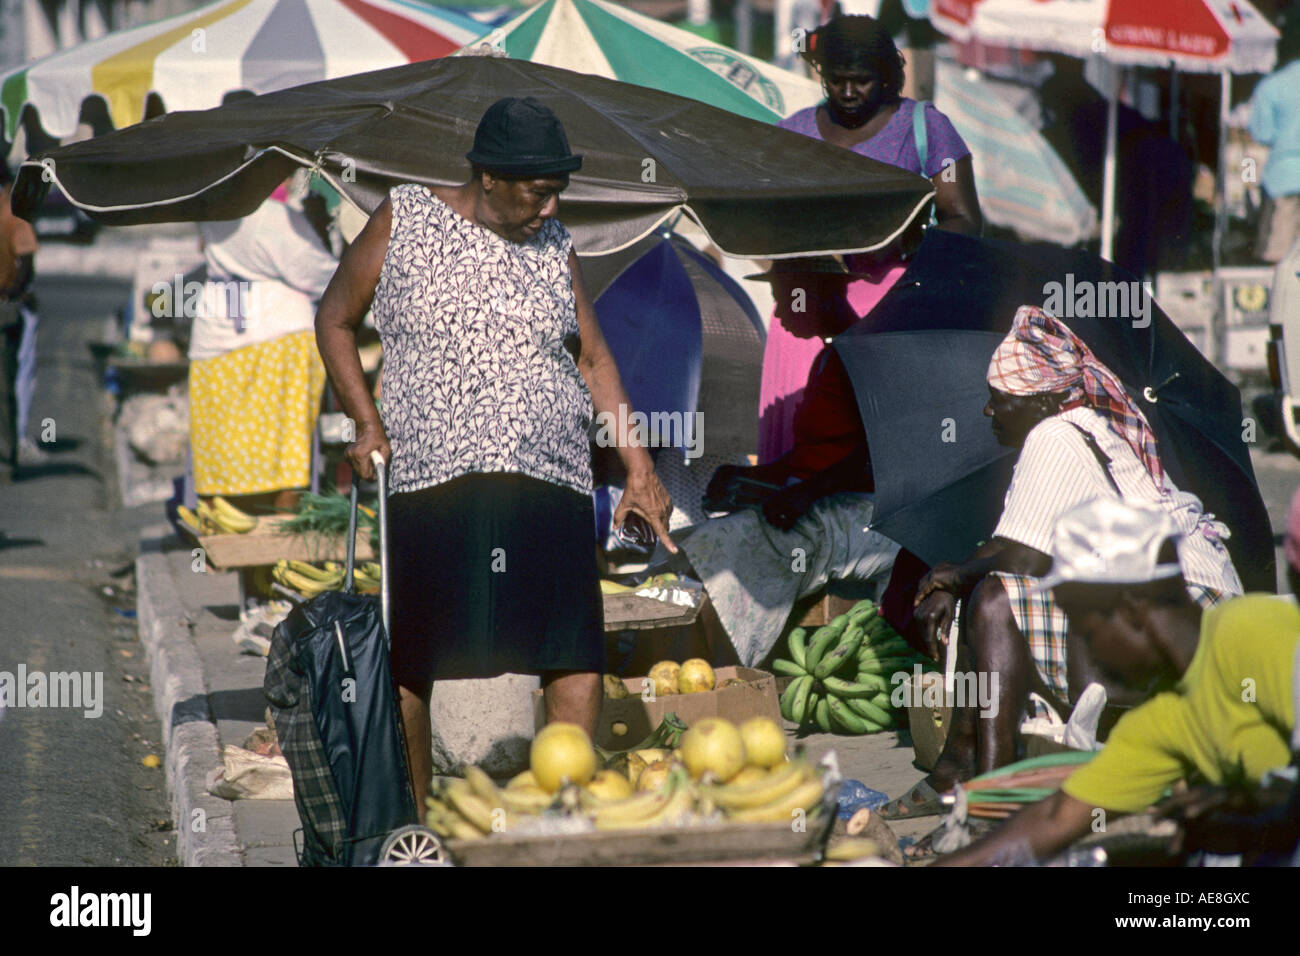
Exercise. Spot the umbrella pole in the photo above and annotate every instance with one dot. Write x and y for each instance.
(744, 15)
(1217, 331)
(1173, 101)
(1108, 167)
(1221, 186)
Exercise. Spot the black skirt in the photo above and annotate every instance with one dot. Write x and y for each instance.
(493, 574)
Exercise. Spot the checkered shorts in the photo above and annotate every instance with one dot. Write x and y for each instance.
(1045, 627)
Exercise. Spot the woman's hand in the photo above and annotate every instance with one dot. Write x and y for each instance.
(646, 496)
(720, 485)
(784, 509)
(370, 437)
(934, 616)
(942, 577)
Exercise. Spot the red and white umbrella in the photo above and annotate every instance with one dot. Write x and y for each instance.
(1203, 36)
(1207, 36)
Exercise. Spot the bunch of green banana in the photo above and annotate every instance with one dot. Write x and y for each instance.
(219, 517)
(843, 673)
(307, 579)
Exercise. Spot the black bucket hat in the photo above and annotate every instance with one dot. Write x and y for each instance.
(522, 137)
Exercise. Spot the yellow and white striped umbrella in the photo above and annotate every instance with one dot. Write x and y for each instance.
(191, 61)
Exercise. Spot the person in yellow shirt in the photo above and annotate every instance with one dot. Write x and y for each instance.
(1223, 705)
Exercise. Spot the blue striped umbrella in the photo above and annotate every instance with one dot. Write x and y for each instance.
(1023, 184)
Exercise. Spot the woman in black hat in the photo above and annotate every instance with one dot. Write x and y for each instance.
(493, 367)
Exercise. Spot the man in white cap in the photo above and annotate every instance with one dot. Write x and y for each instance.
(1223, 706)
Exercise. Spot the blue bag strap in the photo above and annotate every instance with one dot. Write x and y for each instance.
(922, 145)
(919, 134)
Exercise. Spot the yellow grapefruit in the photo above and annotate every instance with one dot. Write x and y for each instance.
(562, 752)
(695, 677)
(764, 742)
(609, 785)
(664, 674)
(713, 744)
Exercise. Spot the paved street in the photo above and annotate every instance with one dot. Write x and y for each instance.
(73, 790)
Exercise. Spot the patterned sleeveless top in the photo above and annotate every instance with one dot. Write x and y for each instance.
(476, 374)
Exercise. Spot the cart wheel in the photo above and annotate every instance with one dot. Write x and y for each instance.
(412, 845)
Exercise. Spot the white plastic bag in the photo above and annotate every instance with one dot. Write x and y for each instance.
(1080, 731)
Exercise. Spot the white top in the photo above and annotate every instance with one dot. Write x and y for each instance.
(265, 273)
(1057, 471)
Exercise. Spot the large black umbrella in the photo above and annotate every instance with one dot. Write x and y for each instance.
(937, 498)
(757, 190)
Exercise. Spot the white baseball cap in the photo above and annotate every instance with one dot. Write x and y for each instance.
(1108, 541)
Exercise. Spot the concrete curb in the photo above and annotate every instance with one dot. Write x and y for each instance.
(205, 826)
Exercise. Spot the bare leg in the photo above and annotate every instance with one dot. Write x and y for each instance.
(419, 741)
(998, 647)
(573, 696)
(991, 644)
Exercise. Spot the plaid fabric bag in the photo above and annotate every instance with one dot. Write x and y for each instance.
(334, 703)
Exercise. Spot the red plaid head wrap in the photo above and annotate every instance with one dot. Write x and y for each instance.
(1040, 355)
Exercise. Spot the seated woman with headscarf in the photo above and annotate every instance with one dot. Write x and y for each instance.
(1080, 438)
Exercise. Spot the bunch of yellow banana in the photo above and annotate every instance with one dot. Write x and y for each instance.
(472, 808)
(774, 798)
(191, 521)
(366, 577)
(307, 579)
(676, 803)
(219, 517)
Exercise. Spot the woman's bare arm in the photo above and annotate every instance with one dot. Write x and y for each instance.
(342, 308)
(644, 494)
(956, 204)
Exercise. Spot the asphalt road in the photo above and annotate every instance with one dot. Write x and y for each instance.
(73, 789)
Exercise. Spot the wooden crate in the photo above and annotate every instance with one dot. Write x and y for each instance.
(631, 612)
(714, 843)
(266, 544)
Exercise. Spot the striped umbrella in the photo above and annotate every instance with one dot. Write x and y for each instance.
(1023, 184)
(1198, 35)
(193, 60)
(1206, 36)
(605, 39)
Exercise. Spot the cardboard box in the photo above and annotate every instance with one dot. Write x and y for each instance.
(754, 698)
(928, 725)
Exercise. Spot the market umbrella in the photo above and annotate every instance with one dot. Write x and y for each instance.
(1208, 36)
(969, 285)
(684, 335)
(606, 39)
(756, 190)
(191, 61)
(1022, 183)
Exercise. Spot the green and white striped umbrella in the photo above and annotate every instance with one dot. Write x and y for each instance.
(605, 39)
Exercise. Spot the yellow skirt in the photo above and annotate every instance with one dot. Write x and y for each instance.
(252, 415)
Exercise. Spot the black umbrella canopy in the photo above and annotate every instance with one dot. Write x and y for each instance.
(963, 283)
(758, 191)
(921, 395)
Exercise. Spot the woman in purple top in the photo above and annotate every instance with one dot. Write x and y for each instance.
(862, 72)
